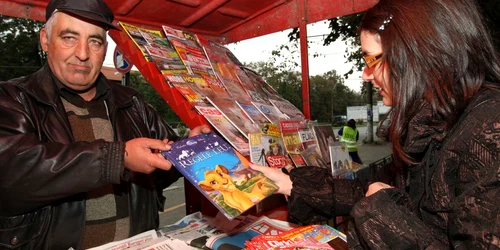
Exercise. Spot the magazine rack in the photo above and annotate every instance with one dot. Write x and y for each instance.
(188, 114)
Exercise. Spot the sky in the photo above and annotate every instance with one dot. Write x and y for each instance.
(260, 48)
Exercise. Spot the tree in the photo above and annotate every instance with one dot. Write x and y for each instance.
(138, 82)
(287, 83)
(345, 28)
(331, 96)
(19, 47)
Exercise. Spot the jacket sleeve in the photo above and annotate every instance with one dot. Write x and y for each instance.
(159, 129)
(37, 173)
(317, 197)
(384, 220)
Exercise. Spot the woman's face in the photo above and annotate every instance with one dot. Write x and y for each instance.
(275, 149)
(377, 73)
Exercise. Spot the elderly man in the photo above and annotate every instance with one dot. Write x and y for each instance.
(77, 152)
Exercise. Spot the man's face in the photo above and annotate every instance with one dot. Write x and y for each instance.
(75, 52)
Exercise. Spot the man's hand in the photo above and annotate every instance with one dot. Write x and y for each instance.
(281, 179)
(143, 155)
(375, 187)
(205, 129)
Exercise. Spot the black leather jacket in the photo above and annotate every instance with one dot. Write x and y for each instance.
(45, 174)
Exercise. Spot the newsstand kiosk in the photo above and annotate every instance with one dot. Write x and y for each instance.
(224, 21)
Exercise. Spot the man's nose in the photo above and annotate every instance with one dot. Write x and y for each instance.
(82, 51)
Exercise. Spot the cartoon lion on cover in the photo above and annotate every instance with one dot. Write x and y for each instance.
(219, 179)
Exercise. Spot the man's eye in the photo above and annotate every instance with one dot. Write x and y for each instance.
(69, 38)
(95, 42)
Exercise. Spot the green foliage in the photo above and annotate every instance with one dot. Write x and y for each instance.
(138, 82)
(19, 47)
(328, 93)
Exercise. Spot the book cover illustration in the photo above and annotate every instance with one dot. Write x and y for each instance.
(235, 115)
(325, 136)
(270, 112)
(225, 128)
(220, 173)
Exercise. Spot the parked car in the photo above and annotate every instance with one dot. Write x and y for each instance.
(339, 120)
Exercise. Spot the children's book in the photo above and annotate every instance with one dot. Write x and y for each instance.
(220, 173)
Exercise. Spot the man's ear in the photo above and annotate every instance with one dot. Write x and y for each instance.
(44, 41)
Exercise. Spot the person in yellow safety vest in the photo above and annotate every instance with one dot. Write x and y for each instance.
(350, 135)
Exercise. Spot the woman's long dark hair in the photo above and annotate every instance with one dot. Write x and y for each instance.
(438, 53)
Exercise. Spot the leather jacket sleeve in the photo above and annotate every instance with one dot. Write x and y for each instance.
(37, 171)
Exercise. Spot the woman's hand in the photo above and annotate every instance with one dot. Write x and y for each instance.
(281, 179)
(375, 187)
(202, 129)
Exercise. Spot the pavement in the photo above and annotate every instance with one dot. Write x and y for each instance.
(176, 206)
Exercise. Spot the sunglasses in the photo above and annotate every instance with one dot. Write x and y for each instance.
(372, 60)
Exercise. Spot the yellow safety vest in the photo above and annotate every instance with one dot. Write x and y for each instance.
(349, 137)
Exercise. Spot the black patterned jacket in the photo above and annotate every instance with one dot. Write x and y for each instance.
(450, 200)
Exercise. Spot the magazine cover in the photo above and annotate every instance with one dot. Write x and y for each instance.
(220, 173)
(234, 114)
(181, 85)
(259, 82)
(237, 238)
(340, 160)
(312, 158)
(192, 54)
(304, 237)
(136, 36)
(288, 109)
(225, 128)
(325, 136)
(253, 113)
(270, 112)
(293, 142)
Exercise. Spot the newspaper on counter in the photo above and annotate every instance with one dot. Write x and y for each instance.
(237, 238)
(141, 239)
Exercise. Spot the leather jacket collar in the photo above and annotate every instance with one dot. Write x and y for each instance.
(41, 85)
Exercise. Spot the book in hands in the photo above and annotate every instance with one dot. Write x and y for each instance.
(220, 173)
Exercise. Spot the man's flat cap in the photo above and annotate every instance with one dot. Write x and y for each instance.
(92, 10)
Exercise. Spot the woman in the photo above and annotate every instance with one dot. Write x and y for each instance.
(434, 63)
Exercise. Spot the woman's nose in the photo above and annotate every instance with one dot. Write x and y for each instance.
(367, 74)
